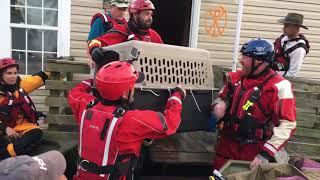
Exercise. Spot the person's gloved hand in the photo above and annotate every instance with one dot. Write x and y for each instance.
(212, 125)
(11, 133)
(219, 108)
(97, 55)
(181, 91)
(258, 160)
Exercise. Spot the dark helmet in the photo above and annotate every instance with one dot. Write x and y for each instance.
(259, 49)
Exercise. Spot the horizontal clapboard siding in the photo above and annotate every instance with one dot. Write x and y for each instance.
(260, 20)
(81, 14)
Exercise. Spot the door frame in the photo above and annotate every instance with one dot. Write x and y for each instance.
(194, 24)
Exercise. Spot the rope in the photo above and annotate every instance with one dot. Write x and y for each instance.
(149, 90)
(194, 98)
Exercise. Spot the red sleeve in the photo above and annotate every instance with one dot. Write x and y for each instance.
(155, 37)
(107, 40)
(154, 125)
(79, 97)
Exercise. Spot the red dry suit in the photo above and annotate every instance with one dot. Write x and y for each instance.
(260, 118)
(108, 144)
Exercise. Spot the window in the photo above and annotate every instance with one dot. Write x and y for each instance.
(34, 33)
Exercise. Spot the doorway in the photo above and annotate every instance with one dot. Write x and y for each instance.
(171, 20)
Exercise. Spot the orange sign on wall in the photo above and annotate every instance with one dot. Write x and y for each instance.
(217, 23)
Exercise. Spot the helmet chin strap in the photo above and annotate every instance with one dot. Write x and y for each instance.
(130, 94)
(253, 68)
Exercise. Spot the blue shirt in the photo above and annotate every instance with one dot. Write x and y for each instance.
(98, 28)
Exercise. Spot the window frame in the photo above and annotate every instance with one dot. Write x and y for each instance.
(63, 29)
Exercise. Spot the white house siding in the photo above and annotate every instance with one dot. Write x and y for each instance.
(81, 14)
(260, 20)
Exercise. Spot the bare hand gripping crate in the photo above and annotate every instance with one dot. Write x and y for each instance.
(165, 67)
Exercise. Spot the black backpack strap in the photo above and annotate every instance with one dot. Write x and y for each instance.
(92, 167)
(92, 103)
(256, 94)
(117, 114)
(298, 45)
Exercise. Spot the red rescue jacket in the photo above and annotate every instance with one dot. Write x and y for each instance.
(255, 105)
(115, 36)
(110, 144)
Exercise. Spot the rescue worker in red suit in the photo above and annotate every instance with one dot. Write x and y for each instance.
(19, 131)
(256, 109)
(138, 28)
(111, 134)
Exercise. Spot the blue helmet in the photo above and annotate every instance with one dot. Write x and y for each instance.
(259, 49)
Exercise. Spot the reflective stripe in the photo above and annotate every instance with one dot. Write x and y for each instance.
(284, 90)
(10, 102)
(131, 36)
(11, 150)
(10, 98)
(24, 95)
(163, 121)
(104, 17)
(108, 141)
(80, 133)
(271, 148)
(175, 98)
(86, 82)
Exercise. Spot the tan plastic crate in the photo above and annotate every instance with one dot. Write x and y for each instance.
(166, 66)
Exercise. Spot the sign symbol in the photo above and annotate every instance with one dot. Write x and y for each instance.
(218, 22)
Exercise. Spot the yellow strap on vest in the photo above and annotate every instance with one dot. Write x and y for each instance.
(247, 105)
(10, 150)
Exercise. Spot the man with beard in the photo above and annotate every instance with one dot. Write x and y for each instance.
(256, 110)
(138, 28)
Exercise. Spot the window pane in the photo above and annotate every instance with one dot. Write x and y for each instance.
(34, 63)
(50, 41)
(17, 15)
(17, 2)
(21, 60)
(34, 3)
(50, 18)
(19, 38)
(34, 16)
(49, 56)
(34, 40)
(50, 4)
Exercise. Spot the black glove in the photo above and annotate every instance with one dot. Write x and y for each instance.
(97, 55)
(181, 91)
(101, 57)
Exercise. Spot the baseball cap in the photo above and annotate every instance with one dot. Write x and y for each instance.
(46, 166)
(119, 3)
